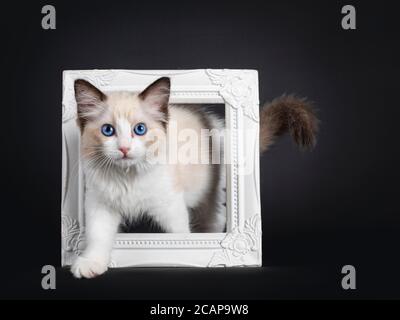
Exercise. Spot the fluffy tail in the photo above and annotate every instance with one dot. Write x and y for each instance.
(288, 114)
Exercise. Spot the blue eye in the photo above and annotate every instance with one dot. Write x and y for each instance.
(107, 129)
(140, 129)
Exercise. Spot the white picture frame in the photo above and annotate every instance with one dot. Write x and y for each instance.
(241, 244)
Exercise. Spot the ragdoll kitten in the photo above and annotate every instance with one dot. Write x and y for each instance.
(124, 179)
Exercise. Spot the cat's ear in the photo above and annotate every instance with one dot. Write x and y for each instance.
(156, 95)
(89, 100)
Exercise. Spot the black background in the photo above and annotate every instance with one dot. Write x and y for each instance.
(321, 210)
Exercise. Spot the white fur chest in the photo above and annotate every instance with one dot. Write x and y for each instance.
(132, 193)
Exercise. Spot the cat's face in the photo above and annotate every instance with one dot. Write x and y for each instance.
(121, 128)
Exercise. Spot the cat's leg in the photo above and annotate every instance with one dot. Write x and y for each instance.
(101, 228)
(173, 215)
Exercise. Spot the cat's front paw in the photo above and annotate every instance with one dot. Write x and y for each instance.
(88, 268)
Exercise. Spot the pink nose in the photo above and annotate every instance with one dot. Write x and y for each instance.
(124, 150)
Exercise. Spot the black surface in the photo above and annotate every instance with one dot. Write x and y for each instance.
(337, 205)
